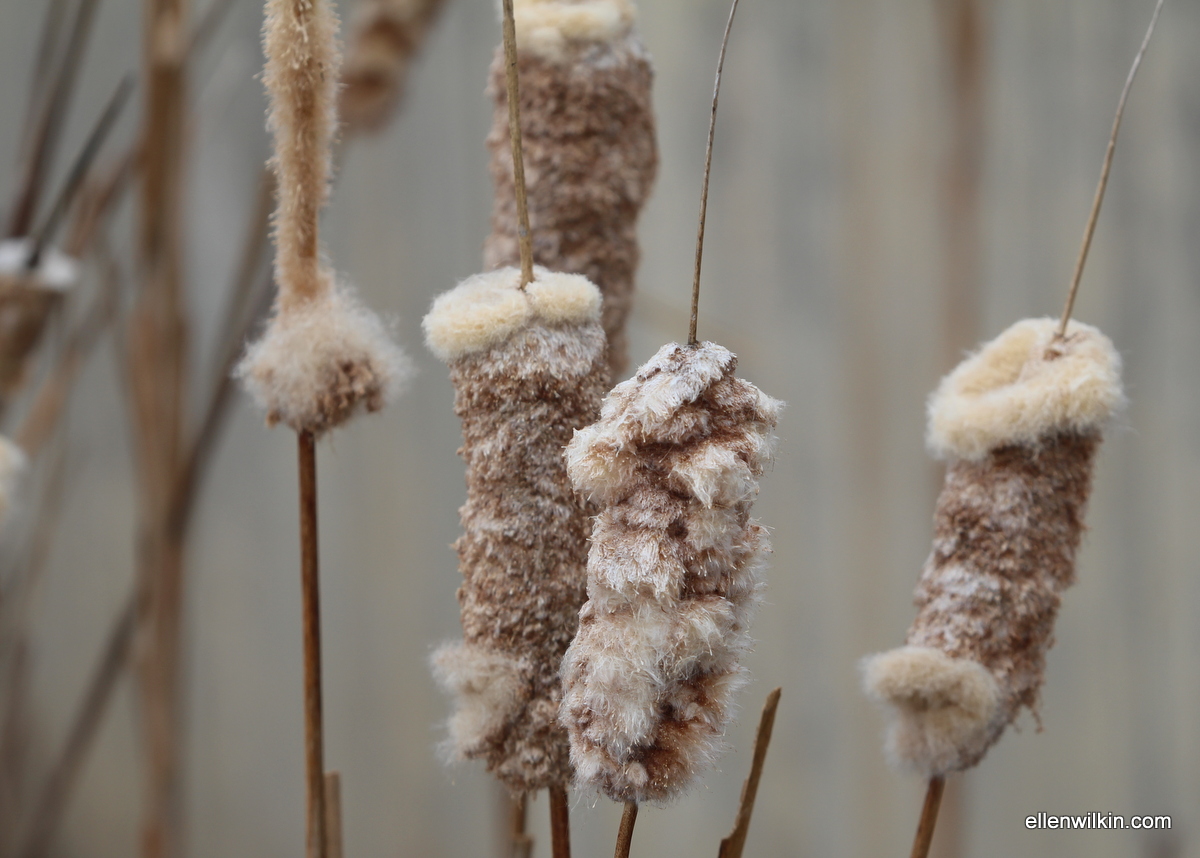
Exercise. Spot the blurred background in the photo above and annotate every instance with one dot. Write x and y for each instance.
(893, 182)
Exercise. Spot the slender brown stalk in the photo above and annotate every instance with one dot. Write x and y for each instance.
(314, 737)
(1090, 229)
(333, 814)
(625, 832)
(524, 239)
(929, 812)
(560, 823)
(712, 130)
(732, 846)
(522, 843)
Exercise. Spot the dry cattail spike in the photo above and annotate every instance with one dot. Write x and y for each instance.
(384, 36)
(528, 368)
(28, 296)
(589, 144)
(673, 573)
(1019, 423)
(324, 355)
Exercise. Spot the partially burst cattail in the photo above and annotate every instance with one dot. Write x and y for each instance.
(589, 143)
(323, 355)
(528, 367)
(1019, 422)
(384, 36)
(674, 572)
(28, 295)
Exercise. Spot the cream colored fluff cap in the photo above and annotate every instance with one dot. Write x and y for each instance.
(547, 27)
(486, 309)
(1010, 392)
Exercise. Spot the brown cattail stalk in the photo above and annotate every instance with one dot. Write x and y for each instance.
(733, 845)
(589, 148)
(674, 573)
(1020, 425)
(625, 831)
(923, 839)
(529, 368)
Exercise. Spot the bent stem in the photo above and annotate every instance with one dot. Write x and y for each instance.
(929, 812)
(625, 832)
(732, 846)
(314, 738)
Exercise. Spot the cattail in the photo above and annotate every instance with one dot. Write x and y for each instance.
(28, 296)
(590, 150)
(674, 571)
(384, 36)
(323, 354)
(528, 367)
(1019, 423)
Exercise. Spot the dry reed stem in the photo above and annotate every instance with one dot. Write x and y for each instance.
(733, 845)
(560, 823)
(929, 813)
(314, 736)
(40, 142)
(625, 831)
(1094, 215)
(333, 815)
(522, 843)
(708, 151)
(512, 89)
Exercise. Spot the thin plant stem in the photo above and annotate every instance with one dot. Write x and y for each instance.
(333, 814)
(1090, 229)
(625, 832)
(522, 843)
(524, 239)
(310, 584)
(712, 130)
(560, 823)
(929, 812)
(733, 845)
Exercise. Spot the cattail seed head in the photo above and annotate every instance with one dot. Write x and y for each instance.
(590, 151)
(1020, 422)
(528, 367)
(674, 571)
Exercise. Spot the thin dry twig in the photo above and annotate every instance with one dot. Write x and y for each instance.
(712, 130)
(625, 832)
(929, 812)
(732, 846)
(524, 239)
(314, 733)
(1090, 229)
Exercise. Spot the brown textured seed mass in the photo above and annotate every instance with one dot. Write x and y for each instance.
(523, 552)
(674, 572)
(590, 161)
(1006, 532)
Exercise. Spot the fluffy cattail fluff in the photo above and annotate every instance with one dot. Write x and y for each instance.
(27, 298)
(385, 34)
(323, 354)
(674, 571)
(589, 144)
(1019, 422)
(528, 368)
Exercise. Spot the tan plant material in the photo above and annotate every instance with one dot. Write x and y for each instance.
(674, 572)
(384, 37)
(590, 150)
(1019, 422)
(324, 355)
(27, 299)
(529, 368)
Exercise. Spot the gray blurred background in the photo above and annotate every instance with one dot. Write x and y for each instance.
(848, 264)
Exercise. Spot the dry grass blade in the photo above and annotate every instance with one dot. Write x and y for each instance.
(732, 846)
(1090, 229)
(41, 141)
(929, 813)
(708, 152)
